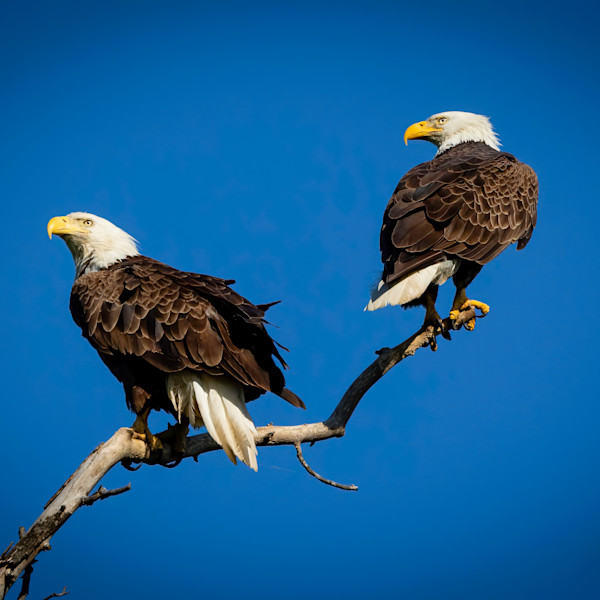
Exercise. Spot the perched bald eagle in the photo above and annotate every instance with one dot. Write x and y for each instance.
(450, 216)
(181, 342)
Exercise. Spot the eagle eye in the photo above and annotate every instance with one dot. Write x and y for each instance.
(88, 223)
(442, 120)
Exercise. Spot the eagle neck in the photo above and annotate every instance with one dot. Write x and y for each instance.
(89, 260)
(485, 135)
(464, 146)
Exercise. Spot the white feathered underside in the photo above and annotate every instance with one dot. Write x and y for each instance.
(218, 404)
(413, 286)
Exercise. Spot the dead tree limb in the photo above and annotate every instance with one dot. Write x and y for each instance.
(26, 580)
(57, 594)
(123, 446)
(312, 472)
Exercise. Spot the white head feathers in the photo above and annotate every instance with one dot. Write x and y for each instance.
(450, 128)
(94, 242)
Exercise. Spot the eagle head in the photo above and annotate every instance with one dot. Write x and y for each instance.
(94, 242)
(453, 127)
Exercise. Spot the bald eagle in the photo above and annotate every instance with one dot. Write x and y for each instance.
(450, 216)
(181, 342)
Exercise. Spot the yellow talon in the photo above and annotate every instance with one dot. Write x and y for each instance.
(151, 440)
(470, 325)
(484, 308)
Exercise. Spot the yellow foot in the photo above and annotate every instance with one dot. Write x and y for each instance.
(484, 308)
(470, 324)
(151, 440)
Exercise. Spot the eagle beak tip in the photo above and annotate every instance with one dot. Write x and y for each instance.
(51, 226)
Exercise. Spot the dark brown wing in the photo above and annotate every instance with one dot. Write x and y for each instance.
(176, 320)
(470, 202)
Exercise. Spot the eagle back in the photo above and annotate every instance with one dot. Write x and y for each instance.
(176, 320)
(469, 202)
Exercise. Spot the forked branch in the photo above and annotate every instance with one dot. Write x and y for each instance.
(124, 447)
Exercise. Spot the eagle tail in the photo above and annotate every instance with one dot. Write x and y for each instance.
(218, 404)
(411, 287)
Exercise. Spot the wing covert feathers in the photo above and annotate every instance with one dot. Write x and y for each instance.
(176, 320)
(470, 202)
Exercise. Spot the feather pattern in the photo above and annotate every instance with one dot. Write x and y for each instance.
(470, 202)
(176, 320)
(178, 341)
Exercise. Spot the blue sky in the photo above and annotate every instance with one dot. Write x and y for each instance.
(262, 143)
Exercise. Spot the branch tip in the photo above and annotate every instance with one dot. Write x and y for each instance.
(330, 482)
(58, 594)
(7, 550)
(103, 493)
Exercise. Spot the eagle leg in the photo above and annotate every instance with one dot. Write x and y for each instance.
(175, 435)
(142, 432)
(431, 315)
(461, 302)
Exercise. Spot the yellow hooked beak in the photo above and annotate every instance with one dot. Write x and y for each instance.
(63, 226)
(419, 130)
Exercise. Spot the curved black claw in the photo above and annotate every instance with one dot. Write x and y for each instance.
(127, 464)
(445, 332)
(175, 436)
(434, 324)
(439, 327)
(447, 327)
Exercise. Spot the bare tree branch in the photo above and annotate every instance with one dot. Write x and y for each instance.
(6, 551)
(335, 484)
(26, 580)
(57, 594)
(124, 447)
(335, 425)
(103, 493)
(71, 496)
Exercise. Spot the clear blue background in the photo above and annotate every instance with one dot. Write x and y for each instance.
(262, 143)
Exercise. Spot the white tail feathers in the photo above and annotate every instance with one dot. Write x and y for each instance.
(218, 404)
(413, 286)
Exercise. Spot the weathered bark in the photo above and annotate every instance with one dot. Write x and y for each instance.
(124, 447)
(74, 493)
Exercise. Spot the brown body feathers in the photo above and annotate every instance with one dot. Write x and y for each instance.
(470, 202)
(147, 320)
